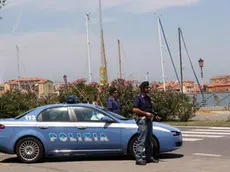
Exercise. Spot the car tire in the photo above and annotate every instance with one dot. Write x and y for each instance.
(132, 142)
(29, 150)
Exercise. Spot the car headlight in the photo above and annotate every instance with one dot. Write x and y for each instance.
(175, 133)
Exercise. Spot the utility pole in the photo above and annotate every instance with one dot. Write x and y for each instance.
(18, 67)
(103, 68)
(119, 56)
(161, 52)
(88, 47)
(181, 63)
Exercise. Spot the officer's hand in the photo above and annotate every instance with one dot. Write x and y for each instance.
(158, 118)
(149, 115)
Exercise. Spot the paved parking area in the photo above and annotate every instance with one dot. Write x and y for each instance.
(175, 162)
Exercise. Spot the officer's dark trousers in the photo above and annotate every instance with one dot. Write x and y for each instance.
(144, 148)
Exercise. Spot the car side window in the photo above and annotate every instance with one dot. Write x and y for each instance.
(87, 114)
(57, 114)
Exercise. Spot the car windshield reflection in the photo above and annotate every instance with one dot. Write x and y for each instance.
(120, 117)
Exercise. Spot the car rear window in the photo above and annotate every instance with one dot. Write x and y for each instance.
(22, 115)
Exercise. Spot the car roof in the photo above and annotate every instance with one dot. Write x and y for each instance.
(65, 105)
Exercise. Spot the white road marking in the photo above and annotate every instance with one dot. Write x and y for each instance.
(204, 136)
(210, 133)
(211, 130)
(191, 139)
(220, 128)
(210, 155)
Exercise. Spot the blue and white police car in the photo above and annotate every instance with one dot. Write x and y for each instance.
(77, 129)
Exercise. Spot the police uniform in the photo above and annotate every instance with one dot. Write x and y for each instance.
(144, 150)
(113, 105)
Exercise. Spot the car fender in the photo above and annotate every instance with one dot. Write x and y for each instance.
(29, 133)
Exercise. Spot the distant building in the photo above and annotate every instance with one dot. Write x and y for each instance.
(220, 79)
(188, 86)
(219, 84)
(40, 86)
(1, 89)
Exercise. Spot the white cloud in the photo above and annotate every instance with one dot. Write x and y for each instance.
(92, 5)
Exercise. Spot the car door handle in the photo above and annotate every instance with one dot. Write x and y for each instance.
(43, 127)
(81, 128)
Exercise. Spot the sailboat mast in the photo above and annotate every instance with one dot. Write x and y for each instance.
(103, 68)
(170, 55)
(18, 67)
(161, 52)
(119, 56)
(88, 48)
(181, 65)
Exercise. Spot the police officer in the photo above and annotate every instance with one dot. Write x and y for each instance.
(112, 102)
(143, 109)
(72, 99)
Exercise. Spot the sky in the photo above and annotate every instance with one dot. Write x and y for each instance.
(51, 36)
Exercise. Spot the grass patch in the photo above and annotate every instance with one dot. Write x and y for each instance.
(200, 123)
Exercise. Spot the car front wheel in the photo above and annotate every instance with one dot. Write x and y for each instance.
(133, 146)
(29, 150)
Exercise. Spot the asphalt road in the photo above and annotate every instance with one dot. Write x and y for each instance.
(205, 149)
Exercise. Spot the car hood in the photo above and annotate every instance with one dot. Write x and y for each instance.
(155, 124)
(165, 126)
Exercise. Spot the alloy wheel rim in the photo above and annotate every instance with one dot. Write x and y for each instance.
(29, 150)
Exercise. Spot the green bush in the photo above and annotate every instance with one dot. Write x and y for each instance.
(168, 104)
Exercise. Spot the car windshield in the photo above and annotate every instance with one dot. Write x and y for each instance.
(21, 115)
(113, 114)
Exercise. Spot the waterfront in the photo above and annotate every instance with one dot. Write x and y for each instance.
(214, 99)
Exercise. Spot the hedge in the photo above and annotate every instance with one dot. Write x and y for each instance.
(168, 104)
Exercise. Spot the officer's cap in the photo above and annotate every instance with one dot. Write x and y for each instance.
(144, 84)
(72, 99)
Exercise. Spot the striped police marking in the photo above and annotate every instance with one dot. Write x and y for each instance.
(76, 124)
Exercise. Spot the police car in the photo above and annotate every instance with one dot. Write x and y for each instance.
(77, 129)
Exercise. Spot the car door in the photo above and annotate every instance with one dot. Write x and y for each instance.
(96, 134)
(56, 126)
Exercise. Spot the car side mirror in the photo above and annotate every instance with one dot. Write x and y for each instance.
(107, 119)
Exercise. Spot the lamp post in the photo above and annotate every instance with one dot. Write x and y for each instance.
(201, 64)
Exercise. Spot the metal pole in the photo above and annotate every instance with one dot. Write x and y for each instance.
(88, 48)
(101, 35)
(180, 54)
(103, 56)
(18, 67)
(119, 56)
(161, 52)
